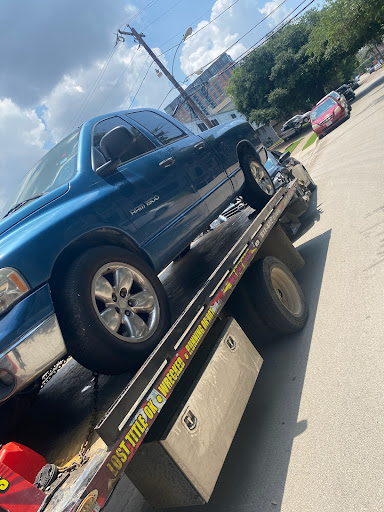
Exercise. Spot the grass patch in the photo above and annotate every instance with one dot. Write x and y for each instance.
(275, 144)
(310, 141)
(294, 145)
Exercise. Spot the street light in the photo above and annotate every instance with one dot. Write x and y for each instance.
(187, 34)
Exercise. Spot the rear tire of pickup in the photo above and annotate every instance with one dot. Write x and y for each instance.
(259, 187)
(112, 309)
(277, 296)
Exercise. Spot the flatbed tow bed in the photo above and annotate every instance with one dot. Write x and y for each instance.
(199, 287)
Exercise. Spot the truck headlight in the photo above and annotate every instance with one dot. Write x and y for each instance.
(12, 287)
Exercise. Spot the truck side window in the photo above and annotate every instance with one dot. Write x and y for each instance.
(140, 146)
(165, 131)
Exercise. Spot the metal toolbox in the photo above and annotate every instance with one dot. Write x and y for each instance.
(181, 467)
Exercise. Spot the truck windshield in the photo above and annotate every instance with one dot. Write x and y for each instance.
(55, 169)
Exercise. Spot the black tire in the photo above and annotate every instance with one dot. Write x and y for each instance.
(277, 296)
(255, 194)
(311, 185)
(89, 337)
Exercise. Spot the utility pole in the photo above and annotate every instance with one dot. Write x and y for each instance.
(171, 78)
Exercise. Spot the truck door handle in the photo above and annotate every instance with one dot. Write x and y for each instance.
(200, 145)
(167, 162)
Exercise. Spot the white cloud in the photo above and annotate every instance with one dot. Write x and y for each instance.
(211, 41)
(233, 24)
(69, 104)
(277, 15)
(22, 136)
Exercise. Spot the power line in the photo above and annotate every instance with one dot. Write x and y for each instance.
(138, 13)
(242, 37)
(272, 32)
(120, 77)
(213, 60)
(131, 89)
(161, 15)
(166, 96)
(262, 40)
(192, 23)
(144, 77)
(89, 94)
(202, 28)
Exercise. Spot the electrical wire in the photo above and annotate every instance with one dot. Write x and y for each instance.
(89, 95)
(256, 45)
(192, 23)
(271, 33)
(120, 77)
(138, 13)
(242, 37)
(144, 77)
(202, 28)
(161, 15)
(165, 97)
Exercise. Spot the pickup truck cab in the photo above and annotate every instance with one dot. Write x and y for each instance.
(92, 224)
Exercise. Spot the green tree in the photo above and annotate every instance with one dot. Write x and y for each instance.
(345, 26)
(282, 78)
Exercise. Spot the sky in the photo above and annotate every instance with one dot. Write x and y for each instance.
(60, 65)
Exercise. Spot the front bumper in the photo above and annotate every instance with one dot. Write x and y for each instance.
(323, 130)
(30, 342)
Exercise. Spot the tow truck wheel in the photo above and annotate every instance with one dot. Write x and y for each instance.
(259, 187)
(277, 296)
(112, 309)
(311, 185)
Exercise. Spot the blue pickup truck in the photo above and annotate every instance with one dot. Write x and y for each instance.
(92, 224)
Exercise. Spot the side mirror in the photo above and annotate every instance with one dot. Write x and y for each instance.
(284, 157)
(114, 145)
(263, 155)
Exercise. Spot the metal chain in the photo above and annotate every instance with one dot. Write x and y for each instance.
(82, 455)
(83, 458)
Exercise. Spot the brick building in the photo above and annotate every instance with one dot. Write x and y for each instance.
(208, 90)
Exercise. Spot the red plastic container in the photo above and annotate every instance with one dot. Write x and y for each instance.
(22, 460)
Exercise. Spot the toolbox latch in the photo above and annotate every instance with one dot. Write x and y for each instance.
(190, 421)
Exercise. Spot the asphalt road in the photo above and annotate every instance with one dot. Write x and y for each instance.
(312, 436)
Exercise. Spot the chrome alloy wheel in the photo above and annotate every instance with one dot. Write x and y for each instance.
(262, 178)
(125, 302)
(286, 291)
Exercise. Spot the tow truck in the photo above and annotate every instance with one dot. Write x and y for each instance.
(169, 426)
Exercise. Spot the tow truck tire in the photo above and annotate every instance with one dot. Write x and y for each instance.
(112, 309)
(311, 184)
(277, 296)
(259, 187)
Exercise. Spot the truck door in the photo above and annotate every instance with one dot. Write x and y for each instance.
(193, 156)
(157, 194)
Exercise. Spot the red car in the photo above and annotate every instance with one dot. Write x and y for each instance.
(328, 114)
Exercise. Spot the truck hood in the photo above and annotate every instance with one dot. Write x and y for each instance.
(30, 208)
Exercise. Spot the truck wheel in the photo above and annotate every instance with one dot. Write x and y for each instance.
(258, 184)
(311, 184)
(277, 296)
(112, 309)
